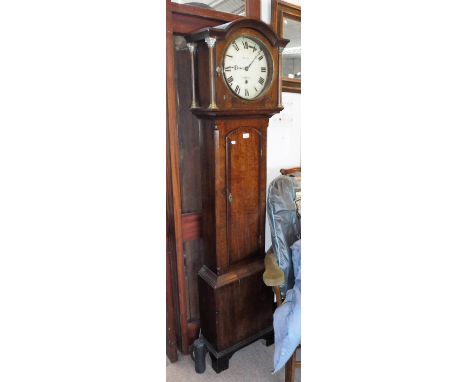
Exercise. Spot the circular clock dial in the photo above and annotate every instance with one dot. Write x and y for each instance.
(246, 67)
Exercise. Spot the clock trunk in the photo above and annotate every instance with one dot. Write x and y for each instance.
(235, 305)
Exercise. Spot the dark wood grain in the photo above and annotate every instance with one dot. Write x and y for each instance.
(171, 302)
(206, 13)
(227, 102)
(252, 9)
(186, 18)
(290, 369)
(225, 224)
(171, 339)
(225, 31)
(172, 308)
(188, 127)
(235, 305)
(239, 300)
(292, 170)
(193, 327)
(244, 178)
(291, 85)
(173, 155)
(184, 172)
(191, 226)
(193, 253)
(279, 11)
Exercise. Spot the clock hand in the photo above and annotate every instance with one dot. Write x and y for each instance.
(248, 67)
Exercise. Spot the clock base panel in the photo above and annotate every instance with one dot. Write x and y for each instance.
(236, 308)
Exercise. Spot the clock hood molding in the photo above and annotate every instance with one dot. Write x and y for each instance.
(223, 31)
(211, 96)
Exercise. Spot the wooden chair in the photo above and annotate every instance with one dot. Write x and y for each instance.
(274, 277)
(287, 171)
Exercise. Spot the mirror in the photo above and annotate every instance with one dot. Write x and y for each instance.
(286, 22)
(292, 52)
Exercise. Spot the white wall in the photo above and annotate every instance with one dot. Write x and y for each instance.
(284, 143)
(265, 10)
(284, 137)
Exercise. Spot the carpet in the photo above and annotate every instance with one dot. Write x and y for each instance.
(252, 363)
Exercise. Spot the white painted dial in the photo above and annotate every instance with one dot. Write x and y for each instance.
(246, 67)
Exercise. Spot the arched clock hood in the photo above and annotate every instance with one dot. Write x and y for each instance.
(211, 95)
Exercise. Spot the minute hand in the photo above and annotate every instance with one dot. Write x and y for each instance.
(248, 67)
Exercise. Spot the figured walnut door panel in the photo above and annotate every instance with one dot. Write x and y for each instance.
(244, 192)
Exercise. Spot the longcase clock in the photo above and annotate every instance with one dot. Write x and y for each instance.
(235, 90)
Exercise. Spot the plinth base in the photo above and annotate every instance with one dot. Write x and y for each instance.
(235, 310)
(220, 360)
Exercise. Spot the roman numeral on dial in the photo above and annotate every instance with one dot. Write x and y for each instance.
(261, 80)
(246, 93)
(260, 58)
(237, 89)
(236, 47)
(263, 69)
(228, 69)
(246, 44)
(229, 80)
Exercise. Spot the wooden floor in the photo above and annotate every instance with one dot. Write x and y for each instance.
(253, 363)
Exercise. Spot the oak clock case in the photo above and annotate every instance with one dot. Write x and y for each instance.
(236, 308)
